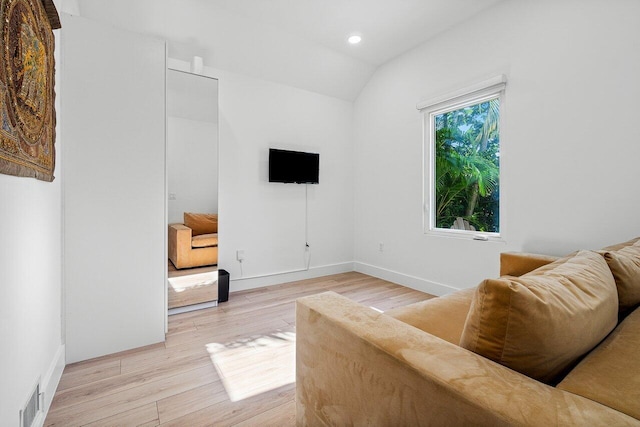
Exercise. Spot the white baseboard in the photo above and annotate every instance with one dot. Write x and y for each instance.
(433, 288)
(50, 383)
(245, 283)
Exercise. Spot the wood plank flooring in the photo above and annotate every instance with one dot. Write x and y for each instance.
(220, 366)
(188, 293)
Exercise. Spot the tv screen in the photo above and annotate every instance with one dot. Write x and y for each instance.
(293, 166)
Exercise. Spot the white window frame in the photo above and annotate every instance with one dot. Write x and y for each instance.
(471, 95)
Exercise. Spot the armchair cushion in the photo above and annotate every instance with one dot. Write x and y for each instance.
(204, 240)
(541, 323)
(201, 223)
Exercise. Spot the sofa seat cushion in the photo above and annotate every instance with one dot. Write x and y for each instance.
(201, 223)
(443, 317)
(204, 240)
(624, 262)
(610, 374)
(541, 323)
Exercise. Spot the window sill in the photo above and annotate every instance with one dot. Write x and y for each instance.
(467, 235)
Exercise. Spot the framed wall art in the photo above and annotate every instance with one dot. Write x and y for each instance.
(27, 76)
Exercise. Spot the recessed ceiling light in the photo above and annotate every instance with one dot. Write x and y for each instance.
(354, 39)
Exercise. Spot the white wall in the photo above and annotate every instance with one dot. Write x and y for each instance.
(570, 143)
(192, 167)
(30, 294)
(31, 285)
(114, 189)
(267, 220)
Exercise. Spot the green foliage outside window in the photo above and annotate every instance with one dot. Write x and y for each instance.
(467, 166)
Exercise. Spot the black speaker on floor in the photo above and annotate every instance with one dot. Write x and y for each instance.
(223, 285)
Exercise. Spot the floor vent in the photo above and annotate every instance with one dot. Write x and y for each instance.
(30, 411)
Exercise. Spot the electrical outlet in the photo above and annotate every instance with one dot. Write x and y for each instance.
(240, 255)
(172, 196)
(381, 247)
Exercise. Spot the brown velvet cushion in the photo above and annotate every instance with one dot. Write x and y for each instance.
(201, 223)
(619, 246)
(541, 323)
(204, 240)
(443, 317)
(624, 262)
(610, 374)
(519, 263)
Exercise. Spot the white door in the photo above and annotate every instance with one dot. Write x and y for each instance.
(113, 163)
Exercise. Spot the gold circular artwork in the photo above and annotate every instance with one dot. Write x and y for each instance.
(26, 90)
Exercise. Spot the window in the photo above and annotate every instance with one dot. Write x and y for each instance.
(462, 146)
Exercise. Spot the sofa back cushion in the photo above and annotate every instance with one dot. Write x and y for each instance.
(443, 317)
(519, 263)
(619, 246)
(610, 374)
(541, 323)
(624, 261)
(201, 223)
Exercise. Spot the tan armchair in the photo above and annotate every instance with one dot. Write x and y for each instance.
(194, 243)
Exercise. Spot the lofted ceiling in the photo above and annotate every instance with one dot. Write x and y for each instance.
(388, 27)
(301, 43)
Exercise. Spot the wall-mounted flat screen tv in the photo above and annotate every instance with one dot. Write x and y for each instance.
(293, 166)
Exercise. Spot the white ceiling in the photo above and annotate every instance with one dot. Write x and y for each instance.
(301, 43)
(388, 27)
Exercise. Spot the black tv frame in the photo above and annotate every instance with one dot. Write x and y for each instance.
(294, 167)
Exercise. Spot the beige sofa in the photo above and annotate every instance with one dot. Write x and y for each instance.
(553, 342)
(195, 242)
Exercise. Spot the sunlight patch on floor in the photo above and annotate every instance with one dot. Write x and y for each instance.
(181, 283)
(255, 365)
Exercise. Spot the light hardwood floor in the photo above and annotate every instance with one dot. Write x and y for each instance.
(188, 293)
(243, 348)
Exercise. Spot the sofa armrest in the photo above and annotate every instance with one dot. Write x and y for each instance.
(519, 263)
(355, 366)
(179, 243)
